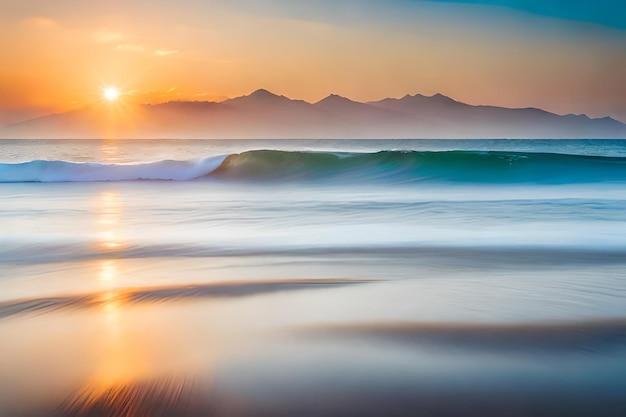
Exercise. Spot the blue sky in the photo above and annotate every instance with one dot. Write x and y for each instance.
(610, 13)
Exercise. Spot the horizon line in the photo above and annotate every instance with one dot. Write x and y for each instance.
(272, 94)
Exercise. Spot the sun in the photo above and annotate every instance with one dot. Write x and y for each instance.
(111, 93)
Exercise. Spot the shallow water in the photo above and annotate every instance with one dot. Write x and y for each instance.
(317, 294)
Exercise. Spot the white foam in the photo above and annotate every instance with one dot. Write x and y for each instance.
(64, 171)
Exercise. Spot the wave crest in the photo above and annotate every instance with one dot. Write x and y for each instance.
(66, 171)
(384, 166)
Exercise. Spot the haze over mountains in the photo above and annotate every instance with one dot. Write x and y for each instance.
(266, 115)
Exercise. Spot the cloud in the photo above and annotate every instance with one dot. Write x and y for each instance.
(174, 93)
(137, 47)
(210, 96)
(163, 52)
(155, 95)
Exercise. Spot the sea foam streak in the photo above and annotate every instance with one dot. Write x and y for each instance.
(162, 294)
(385, 166)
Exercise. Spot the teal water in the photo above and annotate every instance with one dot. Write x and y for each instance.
(481, 277)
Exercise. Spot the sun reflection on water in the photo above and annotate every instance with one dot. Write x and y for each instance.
(108, 270)
(109, 151)
(109, 211)
(120, 352)
(136, 366)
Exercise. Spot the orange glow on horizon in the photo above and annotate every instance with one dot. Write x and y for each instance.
(366, 51)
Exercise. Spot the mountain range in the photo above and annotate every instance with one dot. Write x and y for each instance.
(263, 114)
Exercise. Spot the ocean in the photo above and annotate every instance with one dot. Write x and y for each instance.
(312, 278)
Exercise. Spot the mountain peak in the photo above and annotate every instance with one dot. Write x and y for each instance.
(427, 100)
(435, 97)
(334, 98)
(441, 96)
(262, 93)
(260, 96)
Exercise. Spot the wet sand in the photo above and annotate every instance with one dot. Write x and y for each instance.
(213, 350)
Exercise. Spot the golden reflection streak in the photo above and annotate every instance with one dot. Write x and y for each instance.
(126, 380)
(109, 151)
(108, 271)
(121, 359)
(109, 211)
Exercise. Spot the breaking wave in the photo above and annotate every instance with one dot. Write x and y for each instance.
(384, 166)
(66, 171)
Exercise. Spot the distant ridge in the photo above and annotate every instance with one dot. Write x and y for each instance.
(263, 114)
(258, 97)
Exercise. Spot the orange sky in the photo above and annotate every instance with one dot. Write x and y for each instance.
(59, 55)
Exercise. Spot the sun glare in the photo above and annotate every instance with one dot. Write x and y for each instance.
(111, 93)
